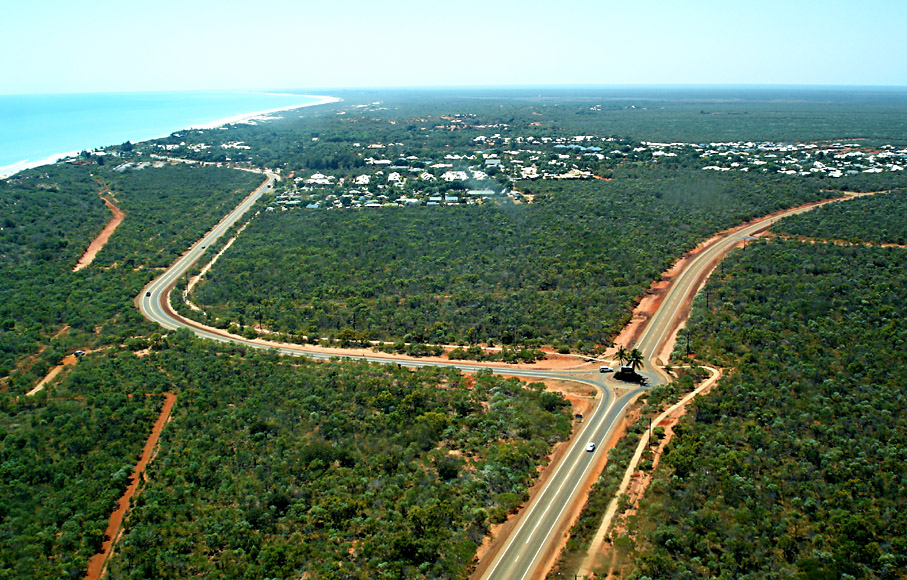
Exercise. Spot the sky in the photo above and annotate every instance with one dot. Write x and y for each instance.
(63, 46)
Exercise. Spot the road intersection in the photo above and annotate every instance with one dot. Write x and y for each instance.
(529, 548)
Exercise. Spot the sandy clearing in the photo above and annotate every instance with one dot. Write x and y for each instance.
(97, 565)
(96, 244)
(67, 361)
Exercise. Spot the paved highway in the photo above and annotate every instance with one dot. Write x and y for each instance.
(545, 514)
(529, 544)
(543, 520)
(685, 285)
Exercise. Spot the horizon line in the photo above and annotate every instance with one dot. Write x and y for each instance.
(475, 87)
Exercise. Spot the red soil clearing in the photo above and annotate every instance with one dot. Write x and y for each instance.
(98, 562)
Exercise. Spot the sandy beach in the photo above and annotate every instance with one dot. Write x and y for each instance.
(12, 169)
(263, 115)
(9, 170)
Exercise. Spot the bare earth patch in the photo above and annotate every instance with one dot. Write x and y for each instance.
(67, 361)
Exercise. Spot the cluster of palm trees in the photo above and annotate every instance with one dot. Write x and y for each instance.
(632, 358)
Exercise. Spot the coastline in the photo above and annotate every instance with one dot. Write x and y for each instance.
(14, 168)
(260, 115)
(10, 170)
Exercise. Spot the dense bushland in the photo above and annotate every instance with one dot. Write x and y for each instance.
(565, 270)
(879, 219)
(51, 214)
(794, 465)
(275, 467)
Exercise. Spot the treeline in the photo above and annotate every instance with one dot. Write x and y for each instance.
(565, 270)
(317, 138)
(281, 468)
(793, 466)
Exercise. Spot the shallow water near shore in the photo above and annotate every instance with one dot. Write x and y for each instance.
(37, 129)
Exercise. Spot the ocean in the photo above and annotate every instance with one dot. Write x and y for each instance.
(37, 129)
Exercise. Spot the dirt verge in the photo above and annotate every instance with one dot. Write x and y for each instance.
(635, 481)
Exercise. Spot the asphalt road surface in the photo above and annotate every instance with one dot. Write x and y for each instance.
(544, 519)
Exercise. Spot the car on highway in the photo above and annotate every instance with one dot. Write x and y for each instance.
(605, 370)
(148, 293)
(590, 446)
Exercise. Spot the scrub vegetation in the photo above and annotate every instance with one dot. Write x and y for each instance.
(285, 468)
(793, 467)
(565, 270)
(274, 467)
(879, 219)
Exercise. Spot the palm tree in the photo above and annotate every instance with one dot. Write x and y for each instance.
(635, 358)
(622, 354)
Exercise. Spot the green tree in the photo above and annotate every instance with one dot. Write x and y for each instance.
(635, 358)
(622, 354)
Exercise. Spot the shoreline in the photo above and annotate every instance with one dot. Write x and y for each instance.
(259, 115)
(12, 169)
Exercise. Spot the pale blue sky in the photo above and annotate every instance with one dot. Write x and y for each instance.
(104, 45)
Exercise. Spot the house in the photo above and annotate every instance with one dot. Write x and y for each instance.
(454, 176)
(320, 179)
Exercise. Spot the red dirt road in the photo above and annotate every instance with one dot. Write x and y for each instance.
(98, 562)
(95, 246)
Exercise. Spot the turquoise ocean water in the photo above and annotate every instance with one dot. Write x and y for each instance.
(36, 128)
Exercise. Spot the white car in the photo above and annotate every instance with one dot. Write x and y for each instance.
(590, 446)
(605, 370)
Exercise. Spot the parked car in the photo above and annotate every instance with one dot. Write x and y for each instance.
(605, 370)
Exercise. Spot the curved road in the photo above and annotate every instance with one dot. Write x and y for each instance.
(542, 521)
